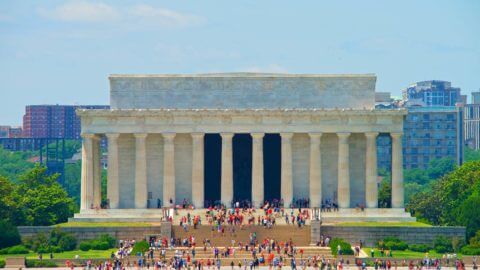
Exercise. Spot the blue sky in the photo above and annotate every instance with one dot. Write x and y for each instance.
(61, 52)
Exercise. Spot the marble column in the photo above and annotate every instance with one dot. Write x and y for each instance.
(113, 173)
(198, 170)
(315, 170)
(343, 171)
(371, 189)
(397, 171)
(97, 172)
(140, 170)
(286, 173)
(227, 169)
(86, 187)
(168, 168)
(257, 169)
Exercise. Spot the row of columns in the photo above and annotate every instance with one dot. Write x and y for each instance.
(91, 171)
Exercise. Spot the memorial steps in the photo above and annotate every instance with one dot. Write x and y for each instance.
(241, 255)
(299, 236)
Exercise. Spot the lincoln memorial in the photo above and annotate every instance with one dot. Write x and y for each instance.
(229, 137)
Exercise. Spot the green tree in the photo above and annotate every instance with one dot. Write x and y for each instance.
(452, 200)
(412, 189)
(439, 167)
(42, 201)
(72, 180)
(385, 193)
(7, 204)
(9, 236)
(468, 212)
(471, 154)
(13, 164)
(417, 176)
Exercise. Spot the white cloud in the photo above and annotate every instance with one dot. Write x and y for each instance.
(163, 16)
(272, 68)
(84, 11)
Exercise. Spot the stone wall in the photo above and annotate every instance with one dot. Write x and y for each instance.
(242, 91)
(371, 235)
(86, 233)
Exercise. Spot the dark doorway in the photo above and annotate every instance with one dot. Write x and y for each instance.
(272, 157)
(213, 168)
(242, 167)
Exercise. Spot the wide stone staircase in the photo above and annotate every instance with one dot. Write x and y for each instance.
(299, 236)
(241, 255)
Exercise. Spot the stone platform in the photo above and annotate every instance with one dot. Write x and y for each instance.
(368, 214)
(157, 215)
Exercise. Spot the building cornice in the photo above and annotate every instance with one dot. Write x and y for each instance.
(239, 112)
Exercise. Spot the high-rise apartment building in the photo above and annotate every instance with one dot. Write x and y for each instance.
(432, 133)
(53, 121)
(472, 122)
(432, 93)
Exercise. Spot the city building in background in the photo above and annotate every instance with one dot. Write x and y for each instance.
(472, 122)
(429, 133)
(437, 125)
(432, 93)
(10, 132)
(432, 133)
(54, 121)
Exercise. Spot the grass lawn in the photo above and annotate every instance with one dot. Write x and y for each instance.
(106, 224)
(91, 254)
(404, 254)
(383, 224)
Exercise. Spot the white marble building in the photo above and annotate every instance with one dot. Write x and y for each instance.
(157, 125)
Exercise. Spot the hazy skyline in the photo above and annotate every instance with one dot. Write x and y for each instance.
(61, 52)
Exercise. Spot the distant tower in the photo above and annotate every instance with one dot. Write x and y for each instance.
(476, 97)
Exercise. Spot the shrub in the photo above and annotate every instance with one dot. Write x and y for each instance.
(85, 246)
(55, 249)
(19, 249)
(396, 245)
(67, 242)
(391, 239)
(392, 243)
(2, 263)
(108, 239)
(419, 248)
(345, 247)
(40, 263)
(471, 250)
(442, 244)
(140, 247)
(99, 245)
(39, 243)
(9, 236)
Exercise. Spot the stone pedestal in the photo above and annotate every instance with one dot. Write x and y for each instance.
(166, 229)
(316, 231)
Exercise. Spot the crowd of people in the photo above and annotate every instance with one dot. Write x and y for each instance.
(223, 220)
